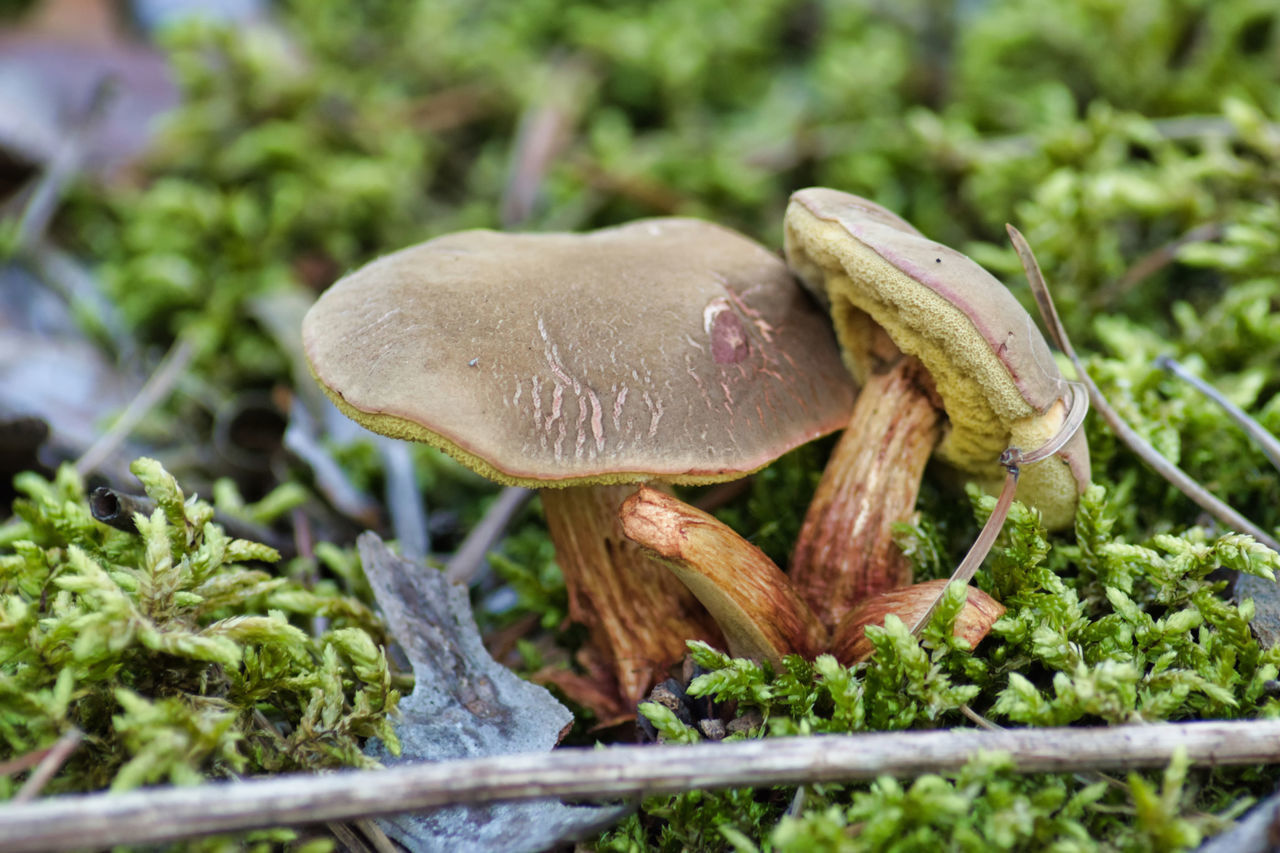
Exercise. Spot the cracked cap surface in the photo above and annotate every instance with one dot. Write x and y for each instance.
(991, 366)
(668, 348)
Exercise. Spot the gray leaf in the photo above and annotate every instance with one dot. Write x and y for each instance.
(466, 705)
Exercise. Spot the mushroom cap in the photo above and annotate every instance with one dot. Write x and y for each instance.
(664, 348)
(993, 371)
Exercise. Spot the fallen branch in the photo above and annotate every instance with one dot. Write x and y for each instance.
(167, 814)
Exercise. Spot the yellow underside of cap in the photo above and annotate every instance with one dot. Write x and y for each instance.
(986, 411)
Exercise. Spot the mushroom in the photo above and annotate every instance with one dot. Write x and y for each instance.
(950, 365)
(850, 645)
(663, 350)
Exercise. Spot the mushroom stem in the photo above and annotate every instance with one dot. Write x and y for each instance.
(638, 615)
(849, 642)
(760, 614)
(845, 551)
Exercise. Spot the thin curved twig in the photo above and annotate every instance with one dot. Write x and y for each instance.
(981, 546)
(1013, 460)
(1175, 475)
(1267, 442)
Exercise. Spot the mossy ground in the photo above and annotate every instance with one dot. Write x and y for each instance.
(1107, 131)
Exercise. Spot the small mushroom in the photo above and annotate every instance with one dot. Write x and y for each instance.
(950, 364)
(849, 643)
(663, 350)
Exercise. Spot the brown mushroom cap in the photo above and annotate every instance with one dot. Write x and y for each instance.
(992, 368)
(668, 347)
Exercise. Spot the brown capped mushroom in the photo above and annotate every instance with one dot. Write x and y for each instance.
(849, 643)
(668, 349)
(949, 363)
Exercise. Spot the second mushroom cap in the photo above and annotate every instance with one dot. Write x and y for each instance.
(990, 366)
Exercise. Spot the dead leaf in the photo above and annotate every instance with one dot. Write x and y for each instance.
(466, 705)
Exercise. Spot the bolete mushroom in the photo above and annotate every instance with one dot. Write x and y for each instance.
(911, 604)
(663, 350)
(950, 365)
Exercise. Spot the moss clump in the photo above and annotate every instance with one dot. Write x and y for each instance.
(989, 806)
(171, 650)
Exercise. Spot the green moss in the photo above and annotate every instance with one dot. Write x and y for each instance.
(173, 650)
(988, 806)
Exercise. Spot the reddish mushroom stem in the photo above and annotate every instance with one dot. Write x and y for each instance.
(752, 601)
(637, 613)
(845, 551)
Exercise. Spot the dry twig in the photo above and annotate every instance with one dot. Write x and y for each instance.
(1267, 442)
(149, 816)
(52, 761)
(1175, 475)
(468, 560)
(154, 391)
